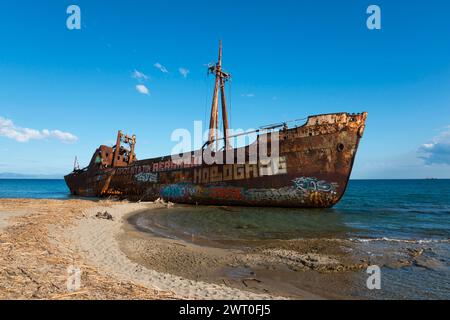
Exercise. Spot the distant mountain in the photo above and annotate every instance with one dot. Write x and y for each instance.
(11, 175)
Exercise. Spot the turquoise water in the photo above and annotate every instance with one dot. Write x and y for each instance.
(34, 188)
(413, 210)
(405, 209)
(382, 215)
(397, 209)
(385, 219)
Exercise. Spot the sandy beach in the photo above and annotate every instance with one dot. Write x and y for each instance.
(41, 239)
(36, 253)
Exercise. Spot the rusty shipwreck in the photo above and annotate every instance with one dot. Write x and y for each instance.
(309, 166)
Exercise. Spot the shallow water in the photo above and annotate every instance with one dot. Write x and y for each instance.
(370, 210)
(380, 216)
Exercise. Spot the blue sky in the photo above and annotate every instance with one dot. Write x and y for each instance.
(289, 59)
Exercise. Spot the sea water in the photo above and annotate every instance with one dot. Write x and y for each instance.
(34, 188)
(373, 212)
(403, 210)
(379, 215)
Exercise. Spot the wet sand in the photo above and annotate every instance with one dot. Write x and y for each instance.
(40, 239)
(317, 268)
(294, 269)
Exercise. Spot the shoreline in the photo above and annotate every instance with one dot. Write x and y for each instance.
(293, 269)
(101, 244)
(302, 268)
(41, 239)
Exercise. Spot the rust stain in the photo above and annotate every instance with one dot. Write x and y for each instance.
(313, 168)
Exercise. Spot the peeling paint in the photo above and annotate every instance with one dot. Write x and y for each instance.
(312, 170)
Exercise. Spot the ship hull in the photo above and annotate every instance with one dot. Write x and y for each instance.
(311, 170)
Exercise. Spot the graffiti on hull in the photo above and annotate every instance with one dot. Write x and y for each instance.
(146, 177)
(300, 191)
(180, 191)
(312, 184)
(277, 195)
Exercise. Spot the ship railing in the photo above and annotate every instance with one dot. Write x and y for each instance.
(262, 129)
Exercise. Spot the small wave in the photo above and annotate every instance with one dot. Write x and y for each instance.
(412, 241)
(383, 239)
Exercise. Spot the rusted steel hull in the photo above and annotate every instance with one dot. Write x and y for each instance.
(312, 170)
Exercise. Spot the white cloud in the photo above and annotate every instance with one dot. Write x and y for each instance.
(142, 89)
(431, 159)
(184, 72)
(139, 75)
(160, 67)
(248, 95)
(9, 130)
(438, 150)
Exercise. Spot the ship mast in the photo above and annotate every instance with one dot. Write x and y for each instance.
(221, 78)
